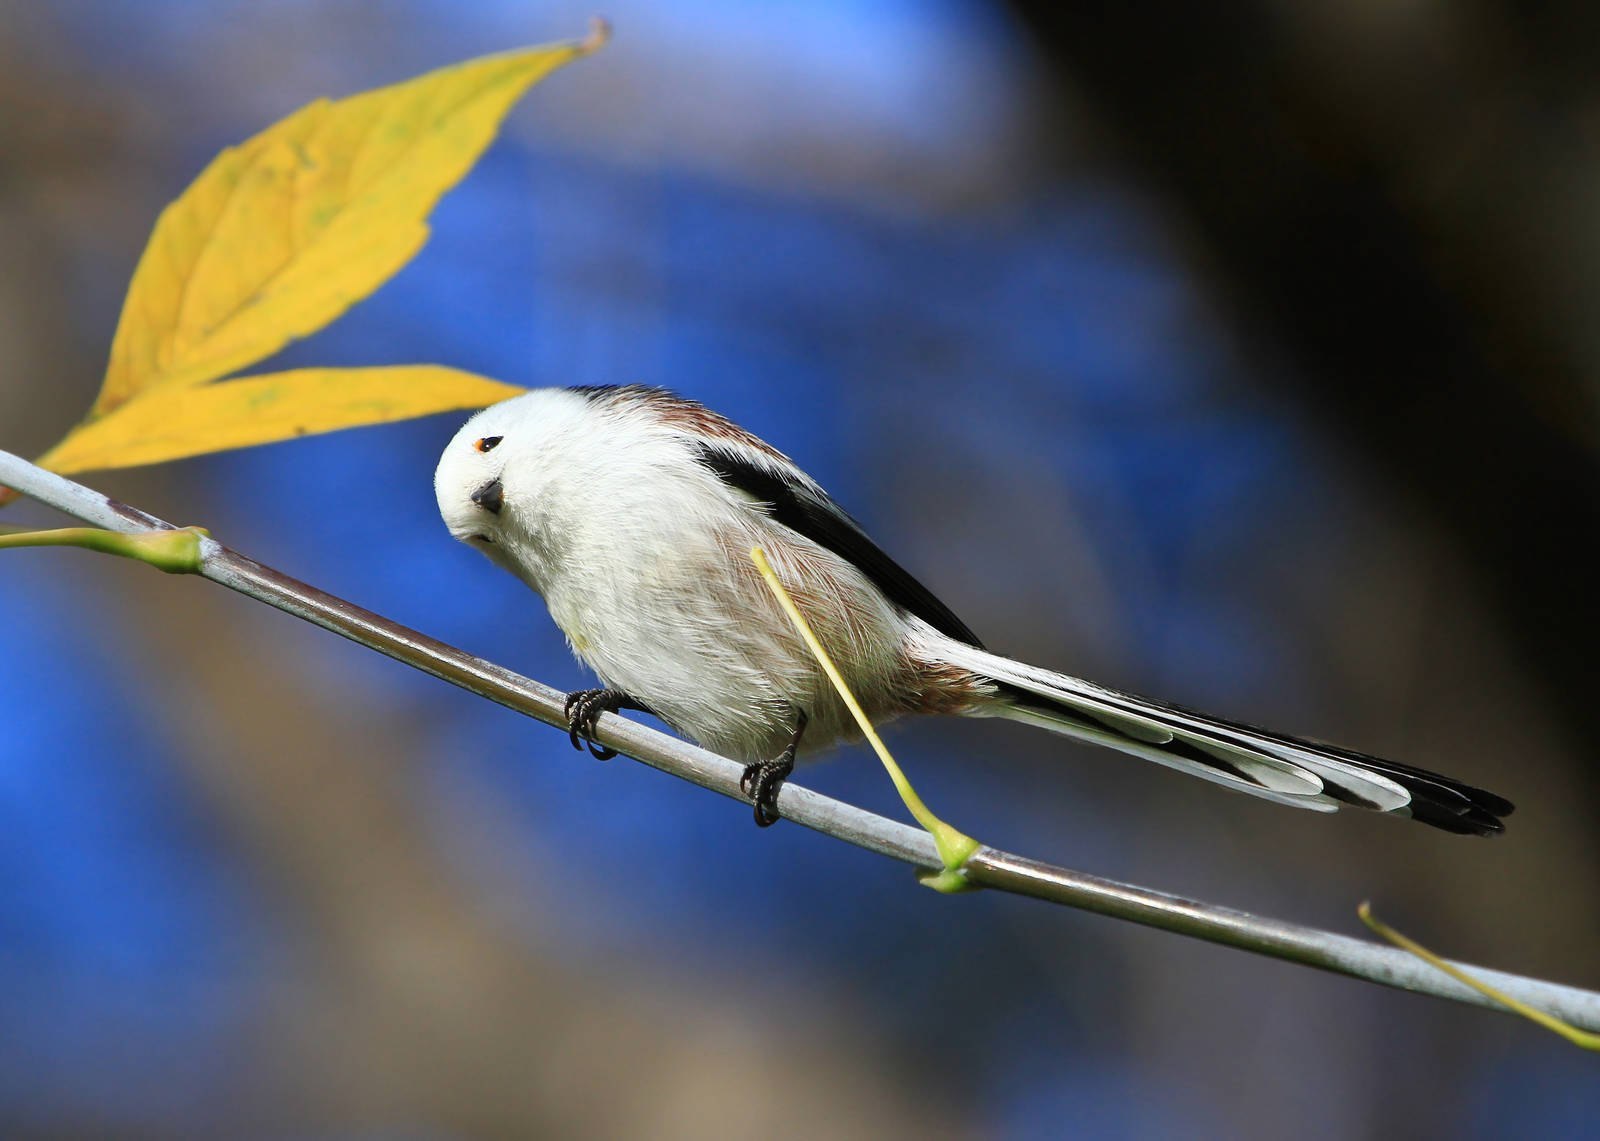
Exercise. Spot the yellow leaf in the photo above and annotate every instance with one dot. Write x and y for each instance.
(283, 233)
(169, 423)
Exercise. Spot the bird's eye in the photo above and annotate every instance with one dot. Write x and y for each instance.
(488, 443)
(483, 539)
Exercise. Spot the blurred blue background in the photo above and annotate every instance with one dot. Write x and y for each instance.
(255, 881)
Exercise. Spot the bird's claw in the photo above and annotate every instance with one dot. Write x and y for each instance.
(583, 708)
(761, 782)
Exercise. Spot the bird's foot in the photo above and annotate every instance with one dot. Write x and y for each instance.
(761, 782)
(583, 709)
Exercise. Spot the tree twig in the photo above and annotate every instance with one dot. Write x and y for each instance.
(988, 867)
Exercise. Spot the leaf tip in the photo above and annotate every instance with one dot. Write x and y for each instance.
(599, 35)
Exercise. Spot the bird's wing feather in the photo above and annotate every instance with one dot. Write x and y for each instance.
(806, 509)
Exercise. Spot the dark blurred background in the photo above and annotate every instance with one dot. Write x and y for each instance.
(1244, 358)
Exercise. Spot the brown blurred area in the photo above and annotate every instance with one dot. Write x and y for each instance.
(1400, 197)
(1395, 206)
(1390, 205)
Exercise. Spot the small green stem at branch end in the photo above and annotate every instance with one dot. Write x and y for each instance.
(175, 552)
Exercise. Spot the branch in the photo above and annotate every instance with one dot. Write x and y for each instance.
(988, 867)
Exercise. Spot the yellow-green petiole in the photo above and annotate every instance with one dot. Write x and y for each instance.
(955, 847)
(1580, 1038)
(175, 552)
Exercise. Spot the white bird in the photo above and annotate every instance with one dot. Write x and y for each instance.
(633, 511)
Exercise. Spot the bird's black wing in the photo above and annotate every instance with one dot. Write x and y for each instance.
(808, 510)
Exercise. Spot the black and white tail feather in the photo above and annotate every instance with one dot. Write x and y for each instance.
(1286, 770)
(631, 510)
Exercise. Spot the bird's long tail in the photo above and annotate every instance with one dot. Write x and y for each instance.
(1288, 770)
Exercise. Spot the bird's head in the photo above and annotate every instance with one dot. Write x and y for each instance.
(493, 473)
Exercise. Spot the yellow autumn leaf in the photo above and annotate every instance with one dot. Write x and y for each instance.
(171, 423)
(274, 240)
(283, 233)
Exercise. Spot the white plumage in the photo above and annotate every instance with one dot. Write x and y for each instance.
(632, 511)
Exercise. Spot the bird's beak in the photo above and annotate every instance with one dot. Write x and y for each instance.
(490, 497)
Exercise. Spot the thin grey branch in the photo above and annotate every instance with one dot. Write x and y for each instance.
(989, 867)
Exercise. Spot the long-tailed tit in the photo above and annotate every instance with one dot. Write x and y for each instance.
(633, 511)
